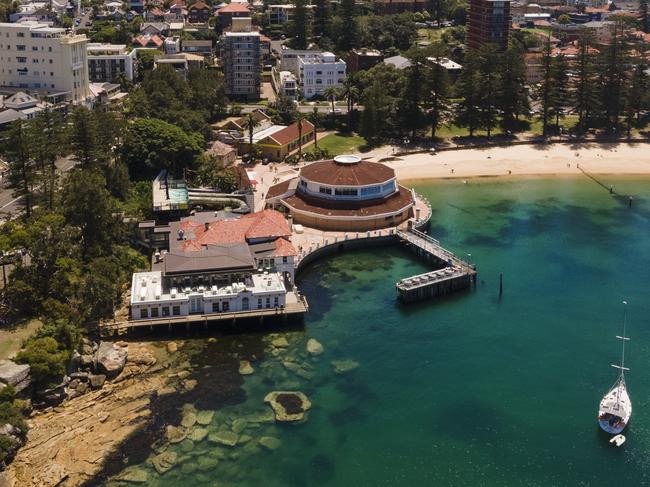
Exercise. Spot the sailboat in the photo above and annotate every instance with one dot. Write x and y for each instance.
(615, 407)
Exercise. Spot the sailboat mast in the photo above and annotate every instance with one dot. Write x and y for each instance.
(624, 338)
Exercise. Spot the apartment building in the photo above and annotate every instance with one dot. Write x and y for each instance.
(316, 73)
(37, 57)
(489, 23)
(106, 62)
(241, 60)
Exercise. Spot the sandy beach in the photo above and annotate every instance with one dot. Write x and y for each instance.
(521, 160)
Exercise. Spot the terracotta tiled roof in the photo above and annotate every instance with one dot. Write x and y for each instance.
(145, 40)
(290, 133)
(220, 149)
(233, 8)
(398, 201)
(198, 5)
(267, 224)
(284, 248)
(278, 189)
(359, 174)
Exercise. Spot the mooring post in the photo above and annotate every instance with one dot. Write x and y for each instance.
(500, 284)
(629, 202)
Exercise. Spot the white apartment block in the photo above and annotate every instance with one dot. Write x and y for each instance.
(316, 73)
(37, 57)
(107, 61)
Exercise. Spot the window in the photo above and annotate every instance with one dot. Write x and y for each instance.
(284, 259)
(165, 311)
(18, 48)
(21, 59)
(215, 307)
(34, 48)
(20, 34)
(268, 302)
(370, 190)
(259, 303)
(325, 190)
(244, 304)
(144, 313)
(388, 186)
(276, 302)
(345, 192)
(176, 310)
(226, 306)
(154, 312)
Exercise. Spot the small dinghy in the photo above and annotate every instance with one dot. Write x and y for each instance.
(617, 440)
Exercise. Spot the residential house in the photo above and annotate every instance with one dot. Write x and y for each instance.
(279, 14)
(154, 28)
(400, 62)
(363, 59)
(223, 153)
(19, 106)
(230, 11)
(181, 62)
(232, 129)
(198, 13)
(319, 72)
(172, 45)
(277, 142)
(197, 47)
(148, 41)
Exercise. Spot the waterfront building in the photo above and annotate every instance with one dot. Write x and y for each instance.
(279, 141)
(489, 23)
(106, 62)
(241, 60)
(215, 265)
(344, 193)
(44, 59)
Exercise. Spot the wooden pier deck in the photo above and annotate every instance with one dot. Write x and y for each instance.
(455, 274)
(296, 306)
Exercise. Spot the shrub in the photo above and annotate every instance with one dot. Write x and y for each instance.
(46, 359)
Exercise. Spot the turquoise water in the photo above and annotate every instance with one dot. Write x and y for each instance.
(470, 390)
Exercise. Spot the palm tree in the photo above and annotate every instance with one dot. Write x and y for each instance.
(314, 120)
(249, 123)
(331, 92)
(299, 118)
(350, 93)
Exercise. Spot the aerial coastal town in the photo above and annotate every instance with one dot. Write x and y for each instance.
(178, 180)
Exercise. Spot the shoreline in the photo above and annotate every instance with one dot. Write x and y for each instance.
(531, 160)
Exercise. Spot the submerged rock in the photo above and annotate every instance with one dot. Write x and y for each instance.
(172, 347)
(288, 406)
(205, 463)
(239, 425)
(204, 417)
(198, 434)
(270, 442)
(134, 476)
(245, 367)
(189, 419)
(343, 366)
(280, 342)
(227, 438)
(314, 347)
(165, 461)
(174, 434)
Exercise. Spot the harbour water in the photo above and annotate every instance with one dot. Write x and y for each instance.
(475, 389)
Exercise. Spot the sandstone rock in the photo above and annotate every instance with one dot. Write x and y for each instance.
(110, 359)
(288, 406)
(82, 388)
(12, 373)
(245, 367)
(174, 434)
(212, 340)
(227, 438)
(314, 347)
(189, 419)
(239, 425)
(140, 356)
(197, 435)
(163, 391)
(86, 360)
(270, 442)
(134, 476)
(97, 381)
(183, 374)
(261, 417)
(190, 384)
(343, 366)
(172, 347)
(187, 445)
(165, 461)
(79, 376)
(204, 417)
(280, 342)
(188, 468)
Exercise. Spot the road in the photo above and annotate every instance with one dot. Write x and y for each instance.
(307, 109)
(11, 206)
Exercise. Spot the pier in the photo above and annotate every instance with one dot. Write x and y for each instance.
(454, 275)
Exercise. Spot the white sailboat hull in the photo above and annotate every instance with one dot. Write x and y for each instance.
(615, 409)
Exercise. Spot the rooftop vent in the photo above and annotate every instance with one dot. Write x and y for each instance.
(347, 159)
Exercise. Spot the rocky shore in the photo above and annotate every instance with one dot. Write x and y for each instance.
(68, 444)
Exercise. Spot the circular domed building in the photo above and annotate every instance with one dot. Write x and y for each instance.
(345, 194)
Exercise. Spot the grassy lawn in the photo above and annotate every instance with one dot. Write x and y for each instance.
(12, 339)
(431, 35)
(567, 122)
(450, 131)
(340, 143)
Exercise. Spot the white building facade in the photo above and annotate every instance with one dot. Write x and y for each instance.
(317, 73)
(149, 299)
(107, 61)
(37, 57)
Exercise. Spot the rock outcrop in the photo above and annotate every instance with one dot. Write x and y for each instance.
(288, 406)
(110, 359)
(13, 374)
(314, 347)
